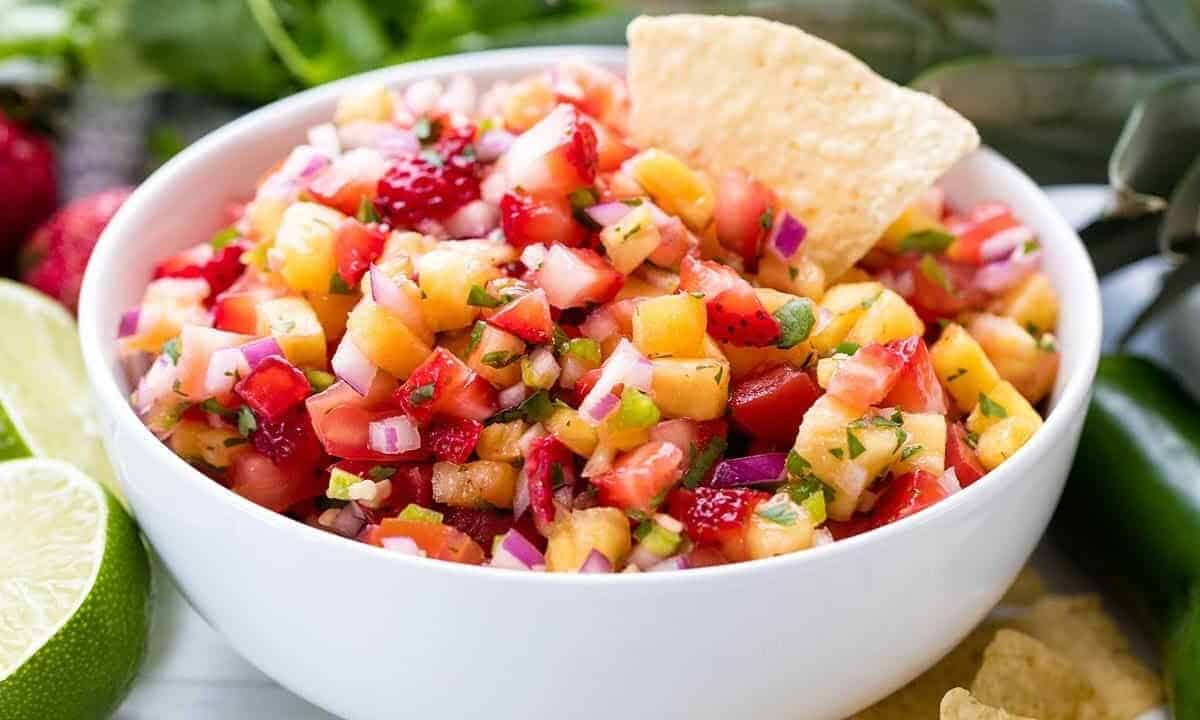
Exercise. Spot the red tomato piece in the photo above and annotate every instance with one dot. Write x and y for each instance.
(771, 406)
(355, 247)
(439, 541)
(543, 219)
(527, 317)
(961, 456)
(273, 388)
(574, 277)
(718, 516)
(640, 478)
(345, 433)
(972, 230)
(254, 477)
(452, 439)
(743, 206)
(445, 385)
(918, 389)
(906, 495)
(868, 376)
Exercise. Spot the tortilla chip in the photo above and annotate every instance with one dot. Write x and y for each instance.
(961, 705)
(1027, 589)
(921, 697)
(845, 149)
(1076, 627)
(1025, 677)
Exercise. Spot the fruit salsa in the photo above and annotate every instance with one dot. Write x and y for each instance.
(493, 330)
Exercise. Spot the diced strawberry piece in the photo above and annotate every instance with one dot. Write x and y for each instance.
(557, 155)
(737, 316)
(542, 219)
(236, 309)
(867, 377)
(906, 495)
(549, 465)
(961, 456)
(289, 441)
(611, 148)
(742, 215)
(574, 277)
(708, 278)
(273, 388)
(708, 429)
(219, 267)
(254, 477)
(453, 439)
(527, 317)
(640, 479)
(918, 389)
(351, 178)
(438, 541)
(940, 288)
(418, 188)
(676, 243)
(484, 525)
(843, 529)
(444, 385)
(771, 406)
(972, 230)
(718, 515)
(355, 247)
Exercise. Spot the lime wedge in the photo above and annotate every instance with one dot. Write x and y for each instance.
(74, 594)
(45, 403)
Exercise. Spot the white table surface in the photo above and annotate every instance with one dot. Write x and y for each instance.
(191, 673)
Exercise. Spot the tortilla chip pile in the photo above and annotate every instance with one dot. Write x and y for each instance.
(1054, 657)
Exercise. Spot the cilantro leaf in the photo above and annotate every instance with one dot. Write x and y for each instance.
(246, 422)
(339, 286)
(366, 211)
(854, 444)
(499, 358)
(796, 320)
(381, 472)
(421, 395)
(172, 349)
(478, 297)
(779, 513)
(476, 335)
(703, 461)
(991, 408)
(222, 238)
(846, 348)
(935, 273)
(535, 408)
(797, 466)
(910, 451)
(929, 240)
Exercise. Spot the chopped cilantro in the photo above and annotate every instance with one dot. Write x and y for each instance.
(283, 327)
(338, 285)
(1046, 343)
(478, 297)
(854, 444)
(1030, 246)
(222, 238)
(870, 301)
(535, 408)
(421, 395)
(366, 211)
(380, 472)
(797, 466)
(846, 348)
(703, 461)
(476, 335)
(793, 271)
(935, 273)
(991, 408)
(796, 320)
(632, 202)
(560, 340)
(720, 374)
(901, 438)
(643, 529)
(631, 231)
(177, 387)
(956, 375)
(767, 219)
(233, 442)
(467, 153)
(910, 451)
(499, 358)
(837, 452)
(933, 241)
(780, 513)
(172, 348)
(246, 423)
(212, 406)
(972, 439)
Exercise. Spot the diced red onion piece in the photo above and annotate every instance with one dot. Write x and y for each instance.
(349, 520)
(596, 562)
(324, 137)
(256, 351)
(352, 367)
(627, 366)
(492, 144)
(533, 255)
(1002, 244)
(393, 435)
(388, 294)
(676, 562)
(401, 544)
(600, 462)
(225, 366)
(603, 407)
(156, 384)
(521, 495)
(680, 432)
(764, 469)
(668, 523)
(474, 220)
(787, 235)
(572, 369)
(516, 552)
(949, 481)
(600, 325)
(1000, 276)
(609, 213)
(129, 322)
(643, 558)
(543, 364)
(512, 396)
(822, 536)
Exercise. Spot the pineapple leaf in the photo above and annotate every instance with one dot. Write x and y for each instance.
(1146, 162)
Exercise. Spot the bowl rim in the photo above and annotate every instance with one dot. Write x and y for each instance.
(96, 342)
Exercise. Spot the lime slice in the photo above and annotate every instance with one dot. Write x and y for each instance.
(74, 594)
(45, 404)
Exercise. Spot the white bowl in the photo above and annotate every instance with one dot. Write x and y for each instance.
(366, 633)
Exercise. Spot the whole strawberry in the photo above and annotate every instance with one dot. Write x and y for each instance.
(54, 258)
(28, 185)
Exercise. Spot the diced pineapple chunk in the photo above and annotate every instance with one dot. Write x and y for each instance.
(914, 219)
(572, 430)
(636, 288)
(1033, 303)
(264, 214)
(500, 441)
(846, 303)
(602, 528)
(962, 366)
(845, 454)
(712, 349)
(888, 318)
(366, 103)
(670, 326)
(826, 367)
(168, 304)
(1002, 401)
(612, 433)
(385, 339)
(304, 244)
(1020, 359)
(924, 446)
(477, 484)
(696, 389)
(675, 187)
(798, 275)
(446, 277)
(630, 241)
(745, 360)
(1000, 441)
(331, 310)
(852, 276)
(195, 440)
(406, 246)
(295, 326)
(497, 357)
(777, 527)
